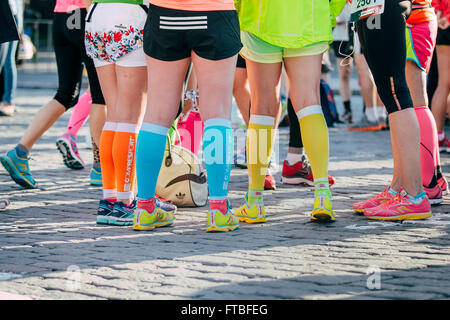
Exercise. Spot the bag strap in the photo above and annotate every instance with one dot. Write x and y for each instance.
(168, 160)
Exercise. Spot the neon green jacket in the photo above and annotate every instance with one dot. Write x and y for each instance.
(289, 23)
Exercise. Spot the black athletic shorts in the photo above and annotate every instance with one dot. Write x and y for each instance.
(443, 37)
(241, 62)
(172, 35)
(343, 49)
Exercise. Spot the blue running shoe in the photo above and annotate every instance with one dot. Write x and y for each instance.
(18, 169)
(105, 209)
(122, 214)
(96, 177)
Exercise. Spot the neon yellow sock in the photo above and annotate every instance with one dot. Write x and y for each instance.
(315, 140)
(259, 149)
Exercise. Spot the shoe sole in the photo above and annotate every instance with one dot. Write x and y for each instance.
(297, 181)
(221, 229)
(96, 183)
(65, 150)
(322, 216)
(114, 221)
(139, 227)
(15, 174)
(359, 211)
(251, 220)
(435, 202)
(412, 216)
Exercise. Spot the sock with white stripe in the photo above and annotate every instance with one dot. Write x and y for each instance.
(315, 140)
(260, 135)
(107, 161)
(218, 150)
(150, 149)
(124, 147)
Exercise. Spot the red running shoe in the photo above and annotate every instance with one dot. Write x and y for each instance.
(300, 172)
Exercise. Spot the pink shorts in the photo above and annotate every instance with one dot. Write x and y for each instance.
(420, 42)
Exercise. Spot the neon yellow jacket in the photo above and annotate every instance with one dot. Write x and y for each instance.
(289, 23)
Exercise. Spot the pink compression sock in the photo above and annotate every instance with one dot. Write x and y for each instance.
(429, 144)
(80, 114)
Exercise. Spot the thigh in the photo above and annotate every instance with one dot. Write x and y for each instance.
(304, 80)
(264, 79)
(165, 84)
(215, 80)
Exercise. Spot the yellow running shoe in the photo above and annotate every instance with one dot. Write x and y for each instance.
(254, 214)
(323, 209)
(218, 222)
(146, 221)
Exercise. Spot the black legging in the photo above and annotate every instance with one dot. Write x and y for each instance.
(70, 53)
(295, 134)
(385, 50)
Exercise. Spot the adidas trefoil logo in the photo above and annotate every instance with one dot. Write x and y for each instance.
(180, 195)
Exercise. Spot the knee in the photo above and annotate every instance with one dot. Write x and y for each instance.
(66, 98)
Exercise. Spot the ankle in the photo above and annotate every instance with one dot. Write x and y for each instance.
(147, 204)
(21, 151)
(219, 204)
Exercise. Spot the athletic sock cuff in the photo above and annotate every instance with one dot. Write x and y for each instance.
(307, 111)
(110, 126)
(262, 120)
(127, 127)
(154, 128)
(218, 122)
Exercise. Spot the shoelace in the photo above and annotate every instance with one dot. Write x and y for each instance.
(397, 199)
(384, 194)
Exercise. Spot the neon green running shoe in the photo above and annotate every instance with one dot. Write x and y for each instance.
(251, 214)
(218, 222)
(146, 221)
(323, 209)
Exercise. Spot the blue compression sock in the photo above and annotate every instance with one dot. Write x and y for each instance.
(218, 154)
(151, 144)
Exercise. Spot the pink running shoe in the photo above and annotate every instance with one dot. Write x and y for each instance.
(67, 146)
(434, 194)
(400, 208)
(375, 201)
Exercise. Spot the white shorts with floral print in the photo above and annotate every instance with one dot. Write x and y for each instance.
(114, 34)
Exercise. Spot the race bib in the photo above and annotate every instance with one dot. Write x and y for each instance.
(361, 9)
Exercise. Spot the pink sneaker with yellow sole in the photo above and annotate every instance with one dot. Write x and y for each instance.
(401, 208)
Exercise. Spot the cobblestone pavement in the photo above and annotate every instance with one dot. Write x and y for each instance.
(51, 247)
